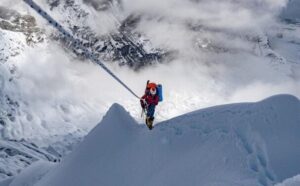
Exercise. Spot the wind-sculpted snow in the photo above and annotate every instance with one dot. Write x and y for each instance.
(247, 144)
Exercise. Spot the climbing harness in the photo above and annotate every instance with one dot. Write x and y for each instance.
(76, 42)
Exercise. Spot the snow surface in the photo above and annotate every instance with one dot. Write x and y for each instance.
(32, 174)
(294, 181)
(16, 155)
(245, 144)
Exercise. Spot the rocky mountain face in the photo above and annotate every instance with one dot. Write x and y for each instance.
(16, 33)
(13, 21)
(123, 46)
(17, 155)
(127, 46)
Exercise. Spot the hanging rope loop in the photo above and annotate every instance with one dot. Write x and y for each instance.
(76, 43)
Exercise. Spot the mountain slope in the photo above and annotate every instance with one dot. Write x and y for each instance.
(239, 144)
(17, 155)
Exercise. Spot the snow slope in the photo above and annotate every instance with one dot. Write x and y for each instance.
(32, 174)
(239, 144)
(17, 155)
(294, 181)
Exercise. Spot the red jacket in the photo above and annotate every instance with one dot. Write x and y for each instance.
(151, 99)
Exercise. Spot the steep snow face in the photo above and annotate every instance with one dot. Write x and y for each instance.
(241, 144)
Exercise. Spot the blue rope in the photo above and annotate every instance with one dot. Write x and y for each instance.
(76, 42)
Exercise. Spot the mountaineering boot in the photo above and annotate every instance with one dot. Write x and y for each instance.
(149, 122)
(151, 119)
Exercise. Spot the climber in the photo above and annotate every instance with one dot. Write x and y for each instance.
(148, 102)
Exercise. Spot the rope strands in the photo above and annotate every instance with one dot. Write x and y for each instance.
(76, 42)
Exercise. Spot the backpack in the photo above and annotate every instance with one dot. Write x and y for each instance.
(159, 90)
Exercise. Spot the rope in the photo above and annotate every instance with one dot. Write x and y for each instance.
(76, 42)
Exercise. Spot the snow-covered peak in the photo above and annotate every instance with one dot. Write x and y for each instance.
(116, 121)
(239, 144)
(117, 110)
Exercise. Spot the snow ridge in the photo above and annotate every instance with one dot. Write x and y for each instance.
(239, 144)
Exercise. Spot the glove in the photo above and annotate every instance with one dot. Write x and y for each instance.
(143, 103)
